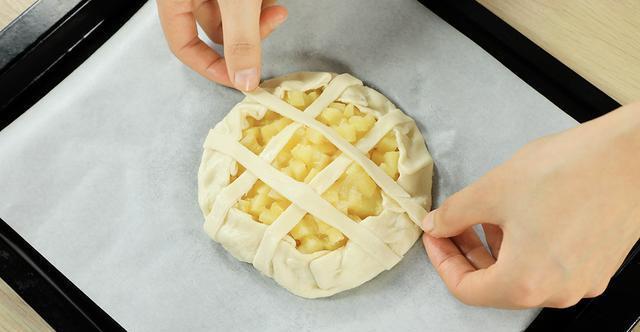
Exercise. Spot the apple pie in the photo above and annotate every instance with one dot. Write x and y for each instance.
(317, 180)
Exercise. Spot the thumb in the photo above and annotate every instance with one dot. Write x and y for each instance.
(241, 33)
(460, 211)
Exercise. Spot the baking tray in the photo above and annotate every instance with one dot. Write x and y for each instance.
(46, 43)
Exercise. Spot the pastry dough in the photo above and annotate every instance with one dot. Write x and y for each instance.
(340, 219)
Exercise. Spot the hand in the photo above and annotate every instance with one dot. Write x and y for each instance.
(245, 23)
(559, 218)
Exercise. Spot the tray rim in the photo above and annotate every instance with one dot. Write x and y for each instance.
(73, 36)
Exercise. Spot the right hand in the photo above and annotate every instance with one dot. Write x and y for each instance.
(559, 218)
(245, 23)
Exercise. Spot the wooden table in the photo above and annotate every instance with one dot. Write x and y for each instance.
(10, 9)
(600, 40)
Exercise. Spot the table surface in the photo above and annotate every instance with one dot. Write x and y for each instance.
(10, 9)
(597, 39)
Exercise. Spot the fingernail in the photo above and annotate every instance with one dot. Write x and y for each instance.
(428, 223)
(246, 79)
(278, 20)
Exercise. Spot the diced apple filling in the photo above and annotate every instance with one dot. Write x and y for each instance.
(304, 156)
(262, 203)
(260, 131)
(355, 194)
(386, 155)
(301, 99)
(347, 121)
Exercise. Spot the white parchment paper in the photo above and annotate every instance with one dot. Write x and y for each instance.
(100, 175)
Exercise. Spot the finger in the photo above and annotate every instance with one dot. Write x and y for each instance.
(268, 3)
(563, 300)
(240, 20)
(471, 286)
(179, 27)
(470, 206)
(472, 248)
(597, 289)
(207, 14)
(270, 18)
(493, 234)
(447, 259)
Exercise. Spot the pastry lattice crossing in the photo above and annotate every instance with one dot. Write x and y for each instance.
(305, 155)
(308, 174)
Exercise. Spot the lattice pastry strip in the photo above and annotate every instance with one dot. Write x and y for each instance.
(320, 183)
(240, 186)
(332, 236)
(310, 233)
(415, 211)
(374, 244)
(380, 133)
(304, 197)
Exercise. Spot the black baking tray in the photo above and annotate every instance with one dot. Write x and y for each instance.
(50, 40)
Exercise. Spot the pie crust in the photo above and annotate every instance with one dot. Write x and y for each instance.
(374, 244)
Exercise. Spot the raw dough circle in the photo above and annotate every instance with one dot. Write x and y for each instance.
(374, 244)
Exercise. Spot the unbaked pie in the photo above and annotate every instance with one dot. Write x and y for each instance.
(317, 180)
